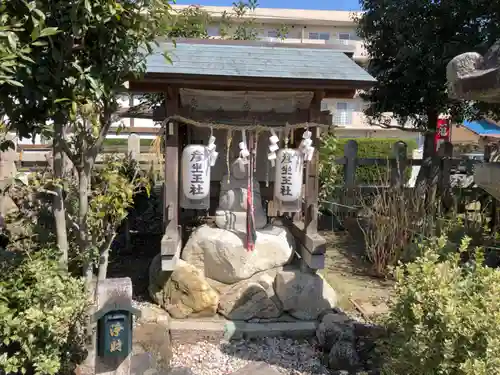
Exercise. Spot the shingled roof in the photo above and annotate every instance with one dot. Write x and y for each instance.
(258, 59)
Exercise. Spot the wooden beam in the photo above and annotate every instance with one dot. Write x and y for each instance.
(313, 242)
(170, 242)
(156, 82)
(312, 170)
(270, 118)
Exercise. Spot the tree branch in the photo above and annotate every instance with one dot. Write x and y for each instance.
(67, 150)
(105, 120)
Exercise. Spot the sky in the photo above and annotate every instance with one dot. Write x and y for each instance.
(296, 4)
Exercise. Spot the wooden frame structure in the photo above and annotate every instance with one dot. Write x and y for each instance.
(335, 75)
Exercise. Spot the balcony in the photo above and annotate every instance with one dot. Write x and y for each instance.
(355, 45)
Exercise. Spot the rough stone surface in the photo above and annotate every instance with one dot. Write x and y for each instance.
(183, 292)
(222, 256)
(334, 327)
(249, 299)
(231, 212)
(154, 339)
(303, 295)
(474, 77)
(343, 356)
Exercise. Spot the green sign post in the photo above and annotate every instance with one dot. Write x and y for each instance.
(114, 329)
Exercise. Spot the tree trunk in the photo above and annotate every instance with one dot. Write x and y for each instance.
(104, 259)
(58, 200)
(428, 177)
(83, 200)
(424, 178)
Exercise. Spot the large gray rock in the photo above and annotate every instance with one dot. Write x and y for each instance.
(474, 77)
(182, 293)
(304, 295)
(231, 213)
(222, 256)
(249, 299)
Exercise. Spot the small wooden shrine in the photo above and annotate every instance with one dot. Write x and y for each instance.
(253, 103)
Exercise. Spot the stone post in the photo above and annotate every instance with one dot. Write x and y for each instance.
(134, 146)
(116, 291)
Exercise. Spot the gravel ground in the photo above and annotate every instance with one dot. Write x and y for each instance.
(290, 357)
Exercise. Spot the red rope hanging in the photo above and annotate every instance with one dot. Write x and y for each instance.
(251, 232)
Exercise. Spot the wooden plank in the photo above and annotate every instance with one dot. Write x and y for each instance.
(390, 162)
(171, 190)
(313, 242)
(313, 261)
(312, 170)
(156, 82)
(270, 118)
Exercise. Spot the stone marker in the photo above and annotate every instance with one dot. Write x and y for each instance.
(115, 292)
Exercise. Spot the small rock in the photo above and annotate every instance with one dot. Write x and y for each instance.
(255, 368)
(246, 300)
(153, 314)
(304, 296)
(183, 292)
(343, 356)
(334, 327)
(222, 256)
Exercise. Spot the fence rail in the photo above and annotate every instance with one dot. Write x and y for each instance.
(30, 156)
(347, 196)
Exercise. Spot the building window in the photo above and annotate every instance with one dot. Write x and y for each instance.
(324, 106)
(343, 114)
(272, 34)
(319, 36)
(213, 31)
(344, 38)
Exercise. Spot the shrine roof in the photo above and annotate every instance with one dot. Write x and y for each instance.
(216, 58)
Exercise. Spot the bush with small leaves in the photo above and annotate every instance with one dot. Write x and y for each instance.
(41, 314)
(445, 318)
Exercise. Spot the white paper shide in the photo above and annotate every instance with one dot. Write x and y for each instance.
(288, 179)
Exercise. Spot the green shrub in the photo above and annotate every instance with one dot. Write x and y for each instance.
(445, 318)
(41, 308)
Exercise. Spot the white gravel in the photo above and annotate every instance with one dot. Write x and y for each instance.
(290, 357)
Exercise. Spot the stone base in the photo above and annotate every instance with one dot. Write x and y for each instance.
(222, 256)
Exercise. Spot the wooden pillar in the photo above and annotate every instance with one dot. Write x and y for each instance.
(312, 169)
(312, 245)
(399, 151)
(171, 241)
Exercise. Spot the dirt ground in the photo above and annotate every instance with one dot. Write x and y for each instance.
(348, 272)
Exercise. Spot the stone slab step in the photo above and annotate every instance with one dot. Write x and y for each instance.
(195, 330)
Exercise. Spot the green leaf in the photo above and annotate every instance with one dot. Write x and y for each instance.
(49, 31)
(61, 100)
(39, 43)
(14, 83)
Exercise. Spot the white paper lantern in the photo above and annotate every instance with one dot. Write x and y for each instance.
(288, 179)
(195, 172)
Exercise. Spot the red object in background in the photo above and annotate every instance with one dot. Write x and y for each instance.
(442, 133)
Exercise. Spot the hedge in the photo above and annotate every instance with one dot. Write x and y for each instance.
(124, 142)
(373, 148)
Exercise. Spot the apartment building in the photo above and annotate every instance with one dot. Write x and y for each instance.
(301, 26)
